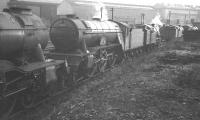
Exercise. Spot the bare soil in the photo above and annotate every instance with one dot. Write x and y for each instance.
(153, 86)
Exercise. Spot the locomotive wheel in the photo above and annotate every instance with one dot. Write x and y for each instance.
(127, 55)
(7, 107)
(28, 99)
(112, 60)
(102, 65)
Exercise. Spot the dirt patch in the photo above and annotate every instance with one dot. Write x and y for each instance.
(189, 77)
(179, 57)
(144, 88)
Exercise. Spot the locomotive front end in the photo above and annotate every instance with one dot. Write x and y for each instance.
(87, 45)
(21, 31)
(24, 72)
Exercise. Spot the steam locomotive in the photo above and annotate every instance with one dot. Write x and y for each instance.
(88, 46)
(92, 46)
(25, 74)
(82, 48)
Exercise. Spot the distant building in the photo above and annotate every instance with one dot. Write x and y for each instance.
(178, 14)
(3, 4)
(133, 14)
(48, 10)
(136, 14)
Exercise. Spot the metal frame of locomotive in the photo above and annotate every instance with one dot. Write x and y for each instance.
(88, 46)
(24, 72)
(92, 46)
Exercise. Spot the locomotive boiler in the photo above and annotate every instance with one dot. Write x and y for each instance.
(24, 73)
(70, 34)
(21, 31)
(88, 46)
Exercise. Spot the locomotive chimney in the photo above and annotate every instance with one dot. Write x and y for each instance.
(100, 11)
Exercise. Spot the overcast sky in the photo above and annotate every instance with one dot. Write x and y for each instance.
(152, 2)
(140, 2)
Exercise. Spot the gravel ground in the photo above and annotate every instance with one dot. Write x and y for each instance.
(144, 88)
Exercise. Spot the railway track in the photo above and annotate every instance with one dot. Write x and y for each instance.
(49, 98)
(79, 82)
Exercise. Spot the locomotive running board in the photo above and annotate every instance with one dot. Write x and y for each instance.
(38, 65)
(72, 59)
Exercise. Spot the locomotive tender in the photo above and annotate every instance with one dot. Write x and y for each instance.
(24, 72)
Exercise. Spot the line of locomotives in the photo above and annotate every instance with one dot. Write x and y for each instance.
(82, 48)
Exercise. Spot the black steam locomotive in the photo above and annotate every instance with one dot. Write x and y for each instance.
(85, 47)
(88, 46)
(92, 46)
(24, 71)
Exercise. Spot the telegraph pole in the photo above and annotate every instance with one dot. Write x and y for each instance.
(170, 16)
(101, 12)
(112, 12)
(142, 18)
(185, 18)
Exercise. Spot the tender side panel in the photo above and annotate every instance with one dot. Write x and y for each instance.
(137, 38)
